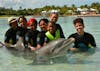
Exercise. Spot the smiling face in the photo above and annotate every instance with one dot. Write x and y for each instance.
(79, 28)
(54, 17)
(23, 22)
(79, 25)
(43, 25)
(33, 26)
(51, 27)
(14, 25)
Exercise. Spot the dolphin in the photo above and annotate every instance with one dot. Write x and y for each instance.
(56, 48)
(1, 44)
(18, 46)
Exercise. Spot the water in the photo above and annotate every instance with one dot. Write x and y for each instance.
(11, 62)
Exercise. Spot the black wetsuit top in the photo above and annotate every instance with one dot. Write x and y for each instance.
(41, 38)
(31, 37)
(86, 39)
(22, 32)
(11, 36)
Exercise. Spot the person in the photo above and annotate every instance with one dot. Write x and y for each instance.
(54, 18)
(43, 23)
(24, 27)
(11, 35)
(51, 34)
(84, 41)
(22, 22)
(31, 35)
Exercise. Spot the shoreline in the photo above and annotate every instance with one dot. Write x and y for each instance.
(88, 15)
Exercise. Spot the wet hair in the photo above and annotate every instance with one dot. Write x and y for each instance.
(78, 20)
(23, 18)
(53, 23)
(44, 19)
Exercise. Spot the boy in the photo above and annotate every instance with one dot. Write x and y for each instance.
(83, 40)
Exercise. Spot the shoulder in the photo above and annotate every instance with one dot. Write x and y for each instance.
(9, 30)
(31, 31)
(20, 28)
(42, 33)
(72, 35)
(58, 25)
(88, 34)
(37, 31)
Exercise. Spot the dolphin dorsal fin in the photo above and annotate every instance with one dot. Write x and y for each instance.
(20, 44)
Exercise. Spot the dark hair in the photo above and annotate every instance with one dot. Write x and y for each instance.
(36, 22)
(44, 19)
(23, 18)
(78, 20)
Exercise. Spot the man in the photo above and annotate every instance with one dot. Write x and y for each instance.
(54, 18)
(83, 40)
(11, 36)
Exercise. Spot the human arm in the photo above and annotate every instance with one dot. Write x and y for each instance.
(92, 42)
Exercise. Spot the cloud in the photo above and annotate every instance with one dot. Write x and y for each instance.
(15, 4)
(10, 3)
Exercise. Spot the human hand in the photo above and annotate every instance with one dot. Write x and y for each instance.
(32, 48)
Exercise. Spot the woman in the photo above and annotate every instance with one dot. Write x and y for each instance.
(31, 36)
(43, 23)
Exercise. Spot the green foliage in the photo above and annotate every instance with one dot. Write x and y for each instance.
(64, 10)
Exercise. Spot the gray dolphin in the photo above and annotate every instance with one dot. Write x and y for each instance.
(19, 45)
(53, 49)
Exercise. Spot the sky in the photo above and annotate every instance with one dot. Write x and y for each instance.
(15, 4)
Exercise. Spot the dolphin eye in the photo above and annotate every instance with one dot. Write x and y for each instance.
(53, 49)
